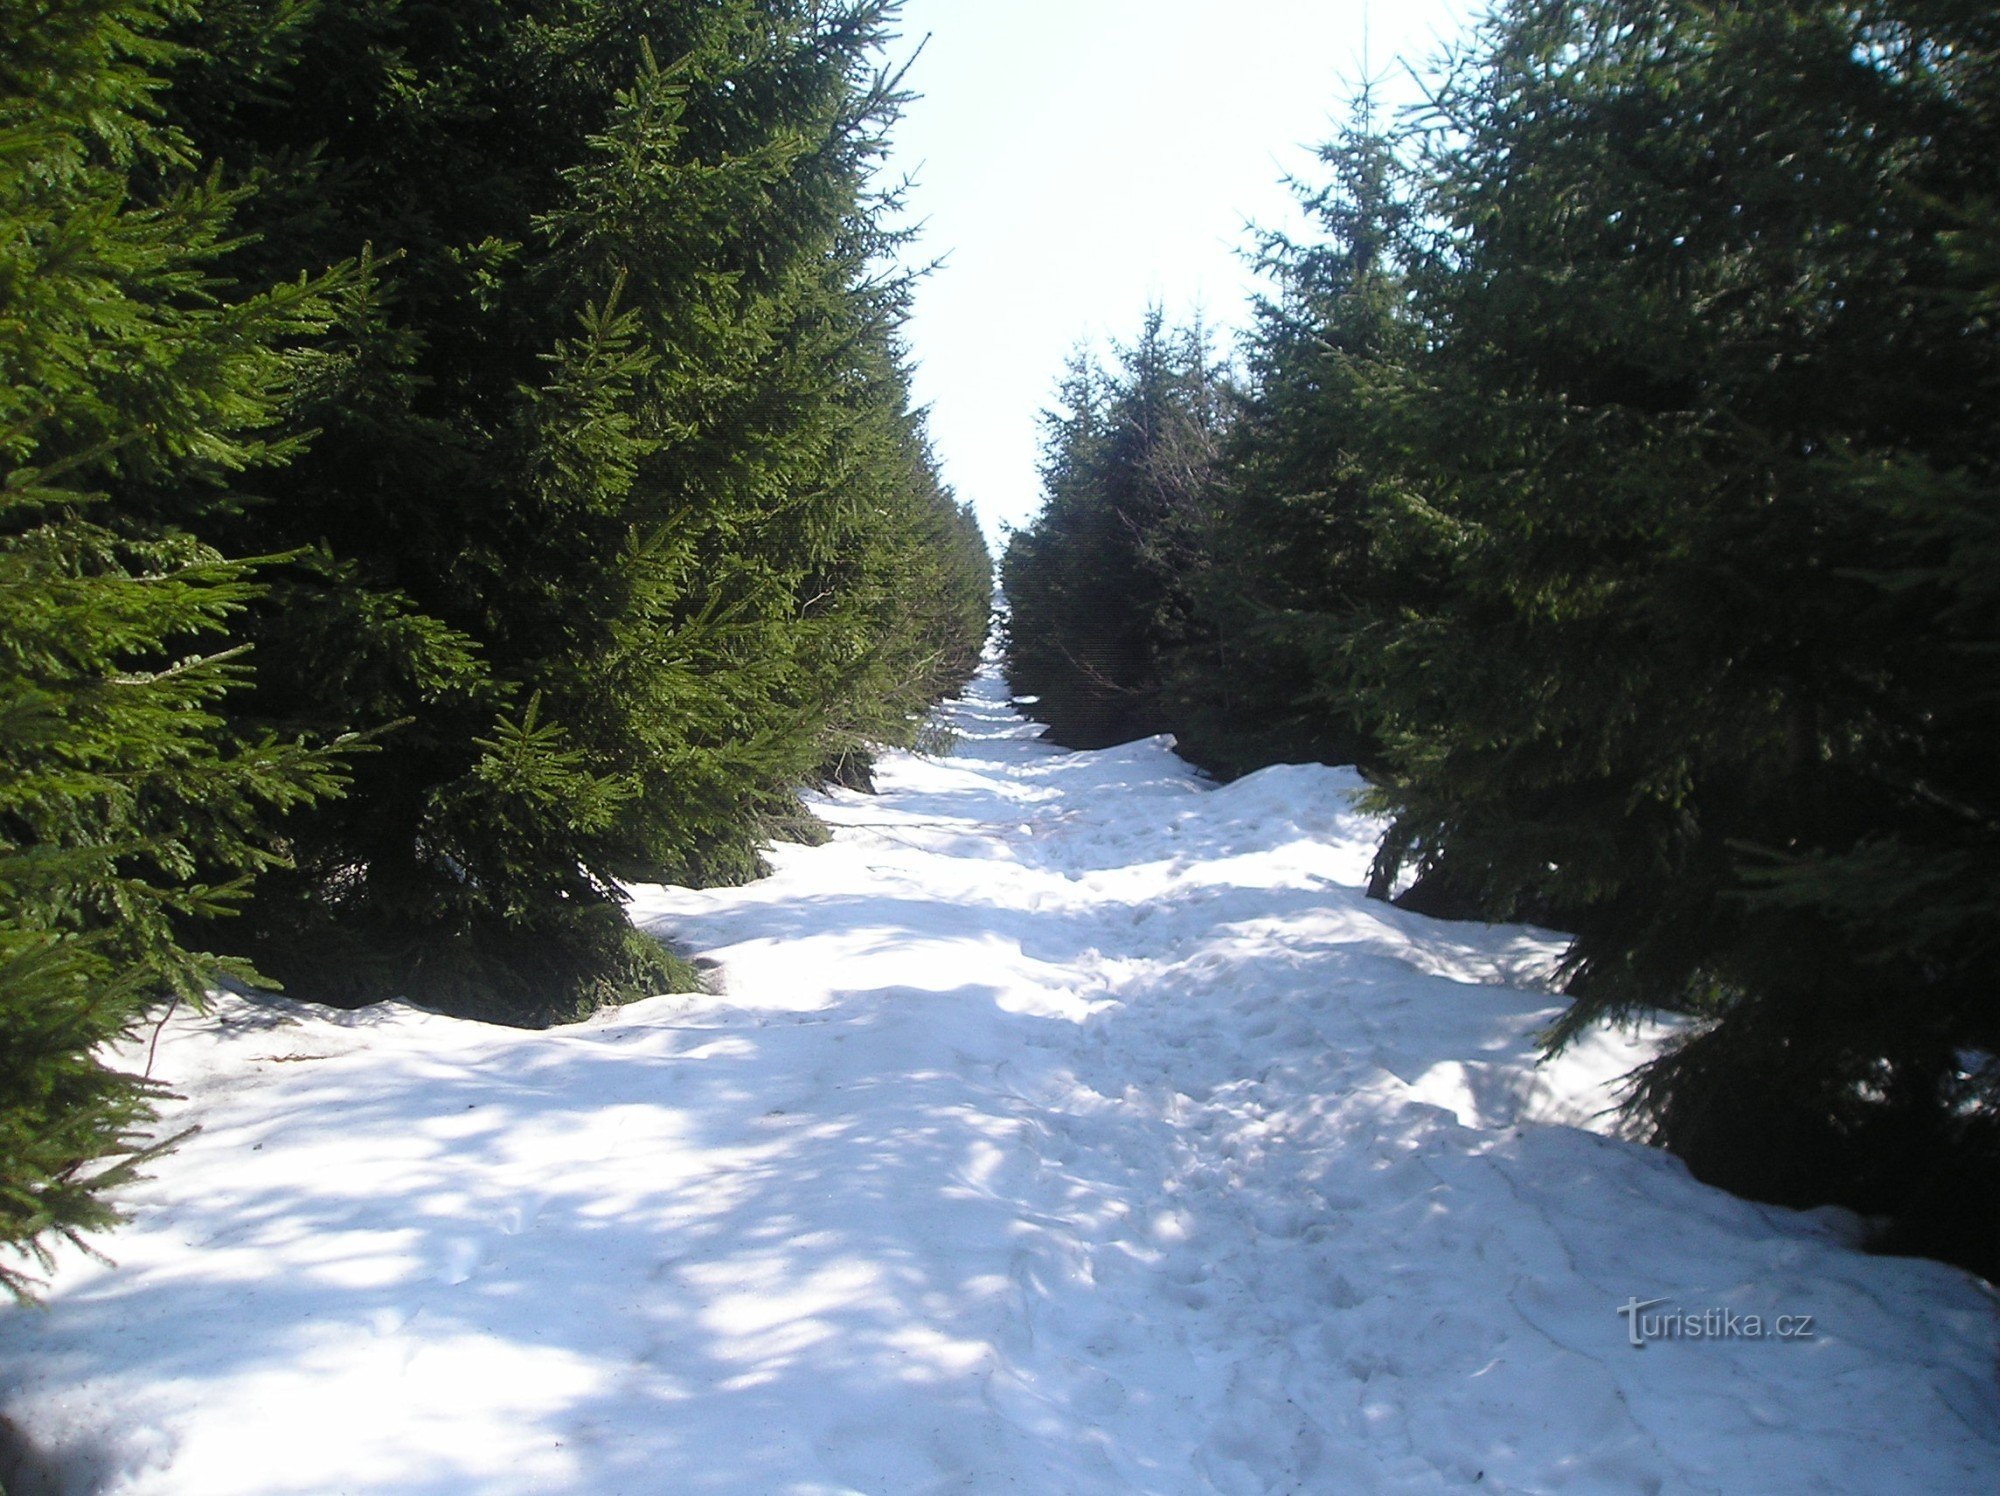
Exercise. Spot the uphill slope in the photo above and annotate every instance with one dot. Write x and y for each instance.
(1066, 1124)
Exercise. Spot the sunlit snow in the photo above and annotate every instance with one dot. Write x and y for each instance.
(1065, 1125)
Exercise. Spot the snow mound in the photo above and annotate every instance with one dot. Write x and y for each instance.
(1065, 1124)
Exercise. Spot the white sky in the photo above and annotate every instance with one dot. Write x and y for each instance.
(1078, 159)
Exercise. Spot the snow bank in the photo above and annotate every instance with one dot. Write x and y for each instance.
(1065, 1124)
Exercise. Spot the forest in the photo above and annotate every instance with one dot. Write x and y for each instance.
(460, 461)
(1611, 475)
(457, 458)
(1430, 925)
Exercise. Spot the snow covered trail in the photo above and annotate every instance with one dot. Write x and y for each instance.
(1065, 1125)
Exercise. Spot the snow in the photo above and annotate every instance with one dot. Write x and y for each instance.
(1066, 1124)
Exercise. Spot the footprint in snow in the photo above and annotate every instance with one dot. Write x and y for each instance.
(523, 1214)
(1094, 1392)
(461, 1260)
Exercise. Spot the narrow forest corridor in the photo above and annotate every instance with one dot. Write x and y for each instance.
(1066, 1124)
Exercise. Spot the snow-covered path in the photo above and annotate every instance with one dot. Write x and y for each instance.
(1066, 1125)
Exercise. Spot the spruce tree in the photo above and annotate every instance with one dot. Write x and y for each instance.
(129, 805)
(1297, 568)
(1701, 436)
(1099, 588)
(1620, 483)
(594, 532)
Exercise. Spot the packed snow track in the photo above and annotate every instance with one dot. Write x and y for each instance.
(1066, 1125)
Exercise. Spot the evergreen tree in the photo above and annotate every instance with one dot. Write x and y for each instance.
(128, 805)
(610, 511)
(1701, 435)
(1297, 565)
(1100, 588)
(1622, 486)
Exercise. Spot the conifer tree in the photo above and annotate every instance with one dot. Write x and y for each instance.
(1297, 569)
(611, 435)
(1099, 589)
(128, 805)
(1622, 485)
(1702, 437)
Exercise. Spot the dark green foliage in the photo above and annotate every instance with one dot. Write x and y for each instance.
(587, 485)
(1099, 587)
(1622, 485)
(1297, 564)
(1706, 430)
(127, 806)
(1206, 551)
(617, 524)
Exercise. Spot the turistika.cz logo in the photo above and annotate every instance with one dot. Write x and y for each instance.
(1707, 1324)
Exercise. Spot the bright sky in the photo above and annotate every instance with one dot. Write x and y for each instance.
(1079, 159)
